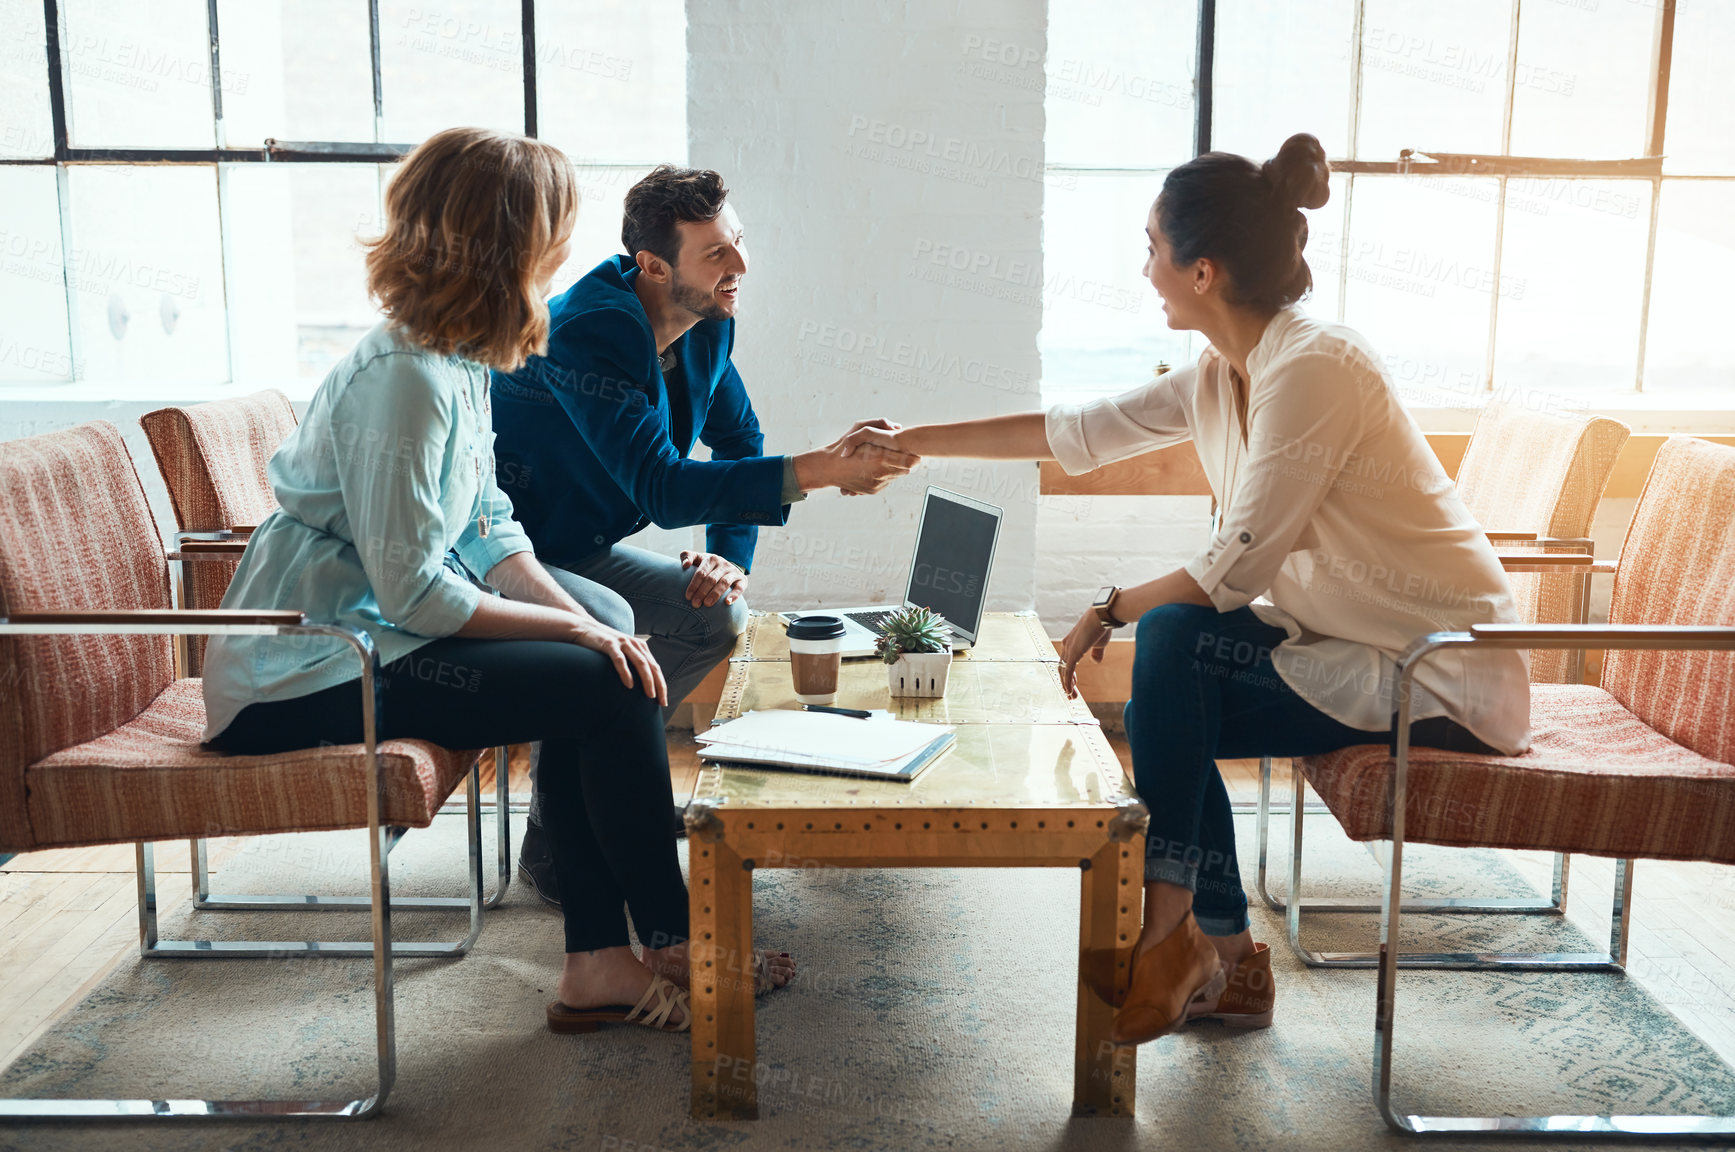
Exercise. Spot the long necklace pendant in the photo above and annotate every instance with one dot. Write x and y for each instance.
(482, 525)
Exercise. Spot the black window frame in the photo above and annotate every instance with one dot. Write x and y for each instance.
(1503, 166)
(378, 152)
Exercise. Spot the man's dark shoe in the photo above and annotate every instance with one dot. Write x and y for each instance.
(680, 820)
(536, 864)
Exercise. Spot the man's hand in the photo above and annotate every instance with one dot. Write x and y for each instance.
(850, 467)
(1088, 636)
(869, 469)
(714, 578)
(878, 433)
(876, 440)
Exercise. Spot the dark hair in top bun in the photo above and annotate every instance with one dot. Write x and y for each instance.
(1247, 217)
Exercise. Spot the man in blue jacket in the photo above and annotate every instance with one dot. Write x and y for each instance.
(593, 441)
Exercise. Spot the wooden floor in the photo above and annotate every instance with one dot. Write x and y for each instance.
(68, 916)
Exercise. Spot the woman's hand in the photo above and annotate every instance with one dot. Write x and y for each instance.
(1087, 636)
(628, 654)
(882, 433)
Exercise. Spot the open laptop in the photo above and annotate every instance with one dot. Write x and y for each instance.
(949, 573)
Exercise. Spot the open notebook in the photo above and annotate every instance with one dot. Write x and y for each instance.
(880, 748)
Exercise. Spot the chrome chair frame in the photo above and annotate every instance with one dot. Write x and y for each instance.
(1575, 1127)
(1614, 958)
(1515, 904)
(380, 838)
(207, 901)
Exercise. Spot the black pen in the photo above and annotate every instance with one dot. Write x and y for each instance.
(858, 713)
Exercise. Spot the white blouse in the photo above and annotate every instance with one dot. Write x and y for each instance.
(1334, 510)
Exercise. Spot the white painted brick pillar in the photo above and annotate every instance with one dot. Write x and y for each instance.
(866, 161)
(887, 162)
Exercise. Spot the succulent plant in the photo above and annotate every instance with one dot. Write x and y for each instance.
(912, 630)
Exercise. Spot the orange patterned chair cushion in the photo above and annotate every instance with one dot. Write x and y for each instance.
(150, 780)
(1597, 780)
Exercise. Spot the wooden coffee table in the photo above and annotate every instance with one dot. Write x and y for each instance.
(1031, 783)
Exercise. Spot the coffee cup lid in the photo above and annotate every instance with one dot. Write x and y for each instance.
(815, 628)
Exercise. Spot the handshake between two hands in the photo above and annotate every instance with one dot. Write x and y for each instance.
(860, 462)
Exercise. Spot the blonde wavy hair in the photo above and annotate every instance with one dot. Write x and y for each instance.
(471, 215)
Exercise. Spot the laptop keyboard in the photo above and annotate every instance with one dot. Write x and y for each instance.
(868, 620)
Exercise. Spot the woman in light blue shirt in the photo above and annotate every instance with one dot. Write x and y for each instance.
(388, 515)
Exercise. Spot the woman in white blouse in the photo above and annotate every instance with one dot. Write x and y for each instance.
(1339, 540)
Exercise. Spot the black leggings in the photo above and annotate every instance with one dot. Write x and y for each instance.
(604, 774)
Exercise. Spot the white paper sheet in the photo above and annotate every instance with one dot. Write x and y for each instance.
(818, 737)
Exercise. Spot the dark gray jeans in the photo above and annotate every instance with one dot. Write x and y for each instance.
(645, 593)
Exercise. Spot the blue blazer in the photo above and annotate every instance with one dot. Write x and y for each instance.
(585, 436)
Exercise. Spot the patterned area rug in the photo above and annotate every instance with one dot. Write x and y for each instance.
(934, 1009)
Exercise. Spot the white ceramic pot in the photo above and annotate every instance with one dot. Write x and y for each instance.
(919, 674)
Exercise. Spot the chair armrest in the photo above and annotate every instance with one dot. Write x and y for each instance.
(1654, 636)
(238, 533)
(1554, 562)
(1567, 636)
(158, 621)
(1583, 542)
(1657, 637)
(209, 550)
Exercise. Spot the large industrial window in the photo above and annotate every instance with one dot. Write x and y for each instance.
(162, 232)
(1534, 197)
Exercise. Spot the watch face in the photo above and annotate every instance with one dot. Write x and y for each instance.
(1103, 596)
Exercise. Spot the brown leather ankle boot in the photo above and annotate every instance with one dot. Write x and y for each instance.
(1181, 968)
(1247, 998)
(1099, 967)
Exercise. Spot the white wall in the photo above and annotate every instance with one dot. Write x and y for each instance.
(857, 145)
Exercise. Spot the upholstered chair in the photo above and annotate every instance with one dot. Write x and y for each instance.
(1642, 766)
(1533, 480)
(212, 458)
(100, 742)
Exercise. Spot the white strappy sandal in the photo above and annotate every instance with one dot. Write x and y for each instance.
(654, 1010)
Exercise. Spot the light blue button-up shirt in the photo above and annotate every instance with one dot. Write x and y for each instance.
(391, 469)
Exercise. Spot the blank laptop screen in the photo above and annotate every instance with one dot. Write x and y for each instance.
(950, 574)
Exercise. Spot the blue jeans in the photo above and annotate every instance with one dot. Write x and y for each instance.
(1204, 690)
(636, 591)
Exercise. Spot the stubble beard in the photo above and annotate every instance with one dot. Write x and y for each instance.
(696, 300)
